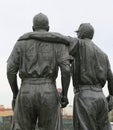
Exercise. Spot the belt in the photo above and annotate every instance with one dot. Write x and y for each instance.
(88, 87)
(38, 80)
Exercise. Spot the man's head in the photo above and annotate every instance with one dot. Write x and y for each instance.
(85, 30)
(40, 22)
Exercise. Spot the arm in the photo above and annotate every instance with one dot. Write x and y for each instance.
(12, 69)
(73, 45)
(110, 79)
(65, 77)
(14, 87)
(110, 86)
(12, 78)
(64, 63)
(46, 36)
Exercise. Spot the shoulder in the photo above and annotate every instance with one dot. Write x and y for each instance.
(99, 50)
(25, 36)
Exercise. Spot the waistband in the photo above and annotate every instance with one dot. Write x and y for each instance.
(38, 80)
(97, 88)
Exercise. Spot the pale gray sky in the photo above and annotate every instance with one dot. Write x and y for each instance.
(64, 15)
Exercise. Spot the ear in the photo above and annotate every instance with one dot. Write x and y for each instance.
(47, 28)
(33, 28)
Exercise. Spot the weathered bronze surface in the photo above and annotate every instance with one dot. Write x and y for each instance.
(37, 61)
(91, 70)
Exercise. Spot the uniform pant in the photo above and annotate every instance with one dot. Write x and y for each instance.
(37, 102)
(90, 111)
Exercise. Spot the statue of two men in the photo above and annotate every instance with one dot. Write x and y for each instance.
(37, 56)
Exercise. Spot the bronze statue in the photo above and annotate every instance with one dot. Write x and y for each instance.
(91, 69)
(37, 60)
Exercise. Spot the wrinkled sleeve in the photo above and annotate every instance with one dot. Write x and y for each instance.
(63, 59)
(13, 60)
(110, 78)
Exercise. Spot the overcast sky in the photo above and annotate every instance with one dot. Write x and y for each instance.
(64, 16)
